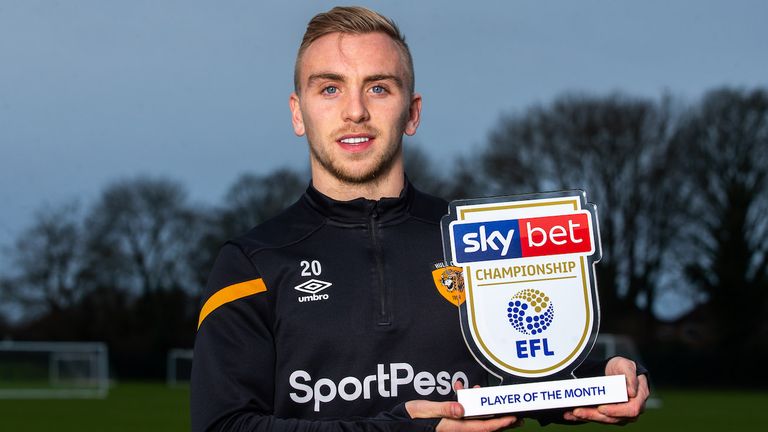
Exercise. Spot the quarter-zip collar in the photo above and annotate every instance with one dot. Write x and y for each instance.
(361, 210)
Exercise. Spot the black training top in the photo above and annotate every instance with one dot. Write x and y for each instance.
(331, 312)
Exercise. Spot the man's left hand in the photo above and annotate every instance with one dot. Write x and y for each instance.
(618, 413)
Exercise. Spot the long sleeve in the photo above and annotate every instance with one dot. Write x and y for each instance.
(233, 373)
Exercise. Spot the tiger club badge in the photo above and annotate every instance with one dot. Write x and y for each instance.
(449, 282)
(529, 312)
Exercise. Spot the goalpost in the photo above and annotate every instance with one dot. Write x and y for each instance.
(179, 367)
(609, 345)
(42, 370)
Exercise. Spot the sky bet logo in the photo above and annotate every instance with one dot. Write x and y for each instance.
(522, 238)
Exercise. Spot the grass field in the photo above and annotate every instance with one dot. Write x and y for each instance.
(693, 410)
(134, 407)
(151, 407)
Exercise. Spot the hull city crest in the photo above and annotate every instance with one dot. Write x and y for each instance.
(530, 312)
(449, 282)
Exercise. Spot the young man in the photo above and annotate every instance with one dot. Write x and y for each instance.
(327, 317)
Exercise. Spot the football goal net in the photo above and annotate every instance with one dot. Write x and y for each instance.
(53, 370)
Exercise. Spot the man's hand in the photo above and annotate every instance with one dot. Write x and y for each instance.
(451, 414)
(618, 413)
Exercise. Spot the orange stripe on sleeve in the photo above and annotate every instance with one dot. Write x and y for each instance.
(231, 293)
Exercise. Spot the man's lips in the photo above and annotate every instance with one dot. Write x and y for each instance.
(355, 142)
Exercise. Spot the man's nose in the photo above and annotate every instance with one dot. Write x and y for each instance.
(356, 109)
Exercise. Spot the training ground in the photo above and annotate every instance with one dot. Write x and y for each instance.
(154, 406)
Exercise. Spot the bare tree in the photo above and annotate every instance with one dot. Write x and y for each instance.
(725, 139)
(617, 149)
(47, 262)
(253, 199)
(139, 233)
(421, 170)
(448, 178)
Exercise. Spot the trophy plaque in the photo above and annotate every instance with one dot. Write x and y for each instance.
(530, 314)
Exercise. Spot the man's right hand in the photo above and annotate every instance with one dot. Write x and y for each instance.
(452, 414)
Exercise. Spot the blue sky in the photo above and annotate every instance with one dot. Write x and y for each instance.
(92, 91)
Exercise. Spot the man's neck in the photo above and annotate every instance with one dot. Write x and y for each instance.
(388, 186)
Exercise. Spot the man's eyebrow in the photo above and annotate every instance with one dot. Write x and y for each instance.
(385, 77)
(325, 76)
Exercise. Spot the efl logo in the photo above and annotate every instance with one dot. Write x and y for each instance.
(522, 238)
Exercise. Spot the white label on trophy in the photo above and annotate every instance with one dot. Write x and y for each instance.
(543, 395)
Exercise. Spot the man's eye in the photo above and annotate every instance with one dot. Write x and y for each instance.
(378, 89)
(330, 90)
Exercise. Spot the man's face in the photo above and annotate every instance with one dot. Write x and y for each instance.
(354, 106)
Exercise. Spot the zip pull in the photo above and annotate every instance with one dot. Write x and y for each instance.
(374, 211)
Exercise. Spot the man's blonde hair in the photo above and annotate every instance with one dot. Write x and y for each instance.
(353, 20)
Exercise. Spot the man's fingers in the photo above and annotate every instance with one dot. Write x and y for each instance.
(620, 366)
(631, 379)
(592, 414)
(451, 413)
(449, 425)
(568, 415)
(618, 413)
(429, 409)
(628, 410)
(632, 408)
(458, 385)
(626, 367)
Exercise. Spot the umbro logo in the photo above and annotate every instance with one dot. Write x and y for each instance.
(313, 287)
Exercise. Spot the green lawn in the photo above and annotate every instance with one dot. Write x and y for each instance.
(150, 407)
(134, 407)
(683, 410)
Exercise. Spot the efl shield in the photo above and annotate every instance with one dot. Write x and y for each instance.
(531, 311)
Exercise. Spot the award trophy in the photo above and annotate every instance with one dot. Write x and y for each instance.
(530, 313)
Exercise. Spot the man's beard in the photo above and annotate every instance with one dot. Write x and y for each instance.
(380, 167)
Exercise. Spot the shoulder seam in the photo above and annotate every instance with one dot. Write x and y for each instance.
(425, 220)
(291, 243)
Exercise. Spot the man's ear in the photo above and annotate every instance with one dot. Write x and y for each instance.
(296, 118)
(414, 115)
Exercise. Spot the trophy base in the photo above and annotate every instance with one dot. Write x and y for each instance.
(543, 395)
